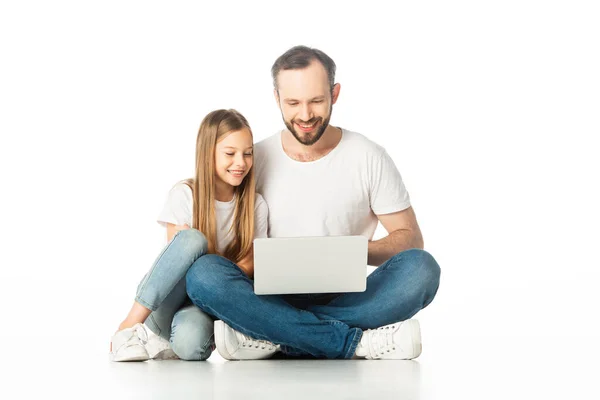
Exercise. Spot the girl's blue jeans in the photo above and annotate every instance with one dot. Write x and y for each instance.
(163, 290)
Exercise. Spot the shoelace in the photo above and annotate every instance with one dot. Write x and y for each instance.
(382, 340)
(247, 341)
(138, 335)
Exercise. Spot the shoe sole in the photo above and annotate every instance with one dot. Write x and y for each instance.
(220, 340)
(166, 354)
(128, 357)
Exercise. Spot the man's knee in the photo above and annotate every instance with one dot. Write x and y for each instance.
(424, 268)
(192, 334)
(206, 280)
(205, 274)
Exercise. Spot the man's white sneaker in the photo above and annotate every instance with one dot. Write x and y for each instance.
(129, 344)
(233, 345)
(159, 348)
(399, 341)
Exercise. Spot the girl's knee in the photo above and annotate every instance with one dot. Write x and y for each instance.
(192, 334)
(192, 241)
(190, 350)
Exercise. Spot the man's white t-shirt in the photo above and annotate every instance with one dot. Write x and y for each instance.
(178, 210)
(339, 194)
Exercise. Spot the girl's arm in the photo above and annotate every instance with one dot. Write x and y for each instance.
(247, 264)
(261, 217)
(172, 229)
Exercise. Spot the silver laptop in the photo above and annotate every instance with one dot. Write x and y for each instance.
(333, 264)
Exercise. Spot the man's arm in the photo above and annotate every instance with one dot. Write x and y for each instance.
(403, 234)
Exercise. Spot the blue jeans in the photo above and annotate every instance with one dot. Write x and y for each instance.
(316, 325)
(163, 290)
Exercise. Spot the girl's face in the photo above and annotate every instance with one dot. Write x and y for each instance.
(233, 157)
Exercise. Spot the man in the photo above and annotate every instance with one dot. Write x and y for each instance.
(321, 180)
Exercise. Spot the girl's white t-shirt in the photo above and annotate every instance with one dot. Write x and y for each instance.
(178, 210)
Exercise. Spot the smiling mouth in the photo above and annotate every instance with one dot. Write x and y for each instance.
(306, 127)
(235, 172)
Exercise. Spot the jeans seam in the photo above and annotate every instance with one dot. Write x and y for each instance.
(207, 345)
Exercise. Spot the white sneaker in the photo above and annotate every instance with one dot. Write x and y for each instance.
(159, 348)
(233, 345)
(128, 344)
(399, 341)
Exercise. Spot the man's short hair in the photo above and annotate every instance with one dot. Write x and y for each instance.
(299, 57)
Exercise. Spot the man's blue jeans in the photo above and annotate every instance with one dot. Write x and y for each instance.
(319, 325)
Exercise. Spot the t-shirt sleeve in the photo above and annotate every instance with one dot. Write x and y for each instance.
(178, 206)
(261, 218)
(388, 194)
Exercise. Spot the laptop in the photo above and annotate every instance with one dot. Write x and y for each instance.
(294, 265)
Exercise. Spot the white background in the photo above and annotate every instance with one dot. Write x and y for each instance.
(489, 109)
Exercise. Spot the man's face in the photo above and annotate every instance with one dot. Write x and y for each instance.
(305, 101)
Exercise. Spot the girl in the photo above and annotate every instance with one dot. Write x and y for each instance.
(217, 212)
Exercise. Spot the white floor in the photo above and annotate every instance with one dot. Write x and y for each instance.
(449, 368)
(488, 109)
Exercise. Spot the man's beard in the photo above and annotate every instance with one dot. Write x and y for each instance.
(309, 141)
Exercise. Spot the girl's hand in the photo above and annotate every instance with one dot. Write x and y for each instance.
(247, 264)
(173, 229)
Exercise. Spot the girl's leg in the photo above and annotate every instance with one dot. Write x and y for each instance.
(192, 334)
(166, 273)
(160, 320)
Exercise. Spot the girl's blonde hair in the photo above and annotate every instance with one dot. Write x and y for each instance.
(214, 127)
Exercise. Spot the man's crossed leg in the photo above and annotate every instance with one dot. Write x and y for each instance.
(373, 324)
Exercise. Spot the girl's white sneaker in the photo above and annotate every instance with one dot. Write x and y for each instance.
(159, 348)
(129, 344)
